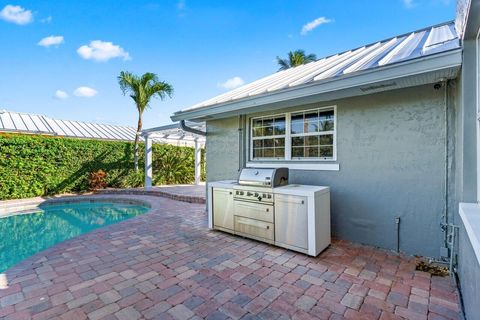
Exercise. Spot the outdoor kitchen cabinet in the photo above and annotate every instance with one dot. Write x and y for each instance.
(302, 218)
(291, 221)
(223, 209)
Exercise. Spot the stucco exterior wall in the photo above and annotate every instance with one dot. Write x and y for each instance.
(391, 151)
(222, 145)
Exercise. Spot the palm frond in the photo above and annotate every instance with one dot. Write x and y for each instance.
(295, 59)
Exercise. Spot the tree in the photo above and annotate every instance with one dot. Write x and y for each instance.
(295, 59)
(141, 90)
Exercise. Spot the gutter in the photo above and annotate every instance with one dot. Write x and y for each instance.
(186, 128)
(415, 67)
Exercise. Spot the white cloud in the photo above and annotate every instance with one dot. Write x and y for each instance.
(409, 4)
(60, 94)
(313, 24)
(102, 51)
(51, 41)
(232, 83)
(86, 92)
(47, 19)
(16, 14)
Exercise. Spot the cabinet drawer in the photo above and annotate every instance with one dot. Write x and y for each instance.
(253, 211)
(255, 229)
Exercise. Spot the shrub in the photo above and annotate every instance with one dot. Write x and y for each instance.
(96, 180)
(35, 165)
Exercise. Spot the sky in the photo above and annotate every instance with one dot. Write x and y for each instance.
(62, 58)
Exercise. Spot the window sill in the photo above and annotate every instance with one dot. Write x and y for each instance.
(296, 165)
(470, 215)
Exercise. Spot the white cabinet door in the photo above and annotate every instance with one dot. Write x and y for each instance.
(223, 209)
(291, 221)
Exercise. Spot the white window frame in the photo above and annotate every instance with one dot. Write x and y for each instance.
(284, 136)
(288, 141)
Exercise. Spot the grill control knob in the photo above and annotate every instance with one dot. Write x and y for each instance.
(269, 196)
(249, 194)
(264, 195)
(256, 194)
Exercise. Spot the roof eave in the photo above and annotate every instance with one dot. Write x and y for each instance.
(448, 60)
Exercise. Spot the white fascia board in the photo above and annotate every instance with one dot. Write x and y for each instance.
(419, 66)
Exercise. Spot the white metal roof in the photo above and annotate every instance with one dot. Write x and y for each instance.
(39, 124)
(412, 46)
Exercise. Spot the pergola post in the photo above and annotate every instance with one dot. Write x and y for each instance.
(148, 162)
(198, 158)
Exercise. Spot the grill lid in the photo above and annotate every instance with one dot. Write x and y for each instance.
(263, 177)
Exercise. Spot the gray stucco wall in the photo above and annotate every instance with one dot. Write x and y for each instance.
(391, 152)
(222, 145)
(468, 268)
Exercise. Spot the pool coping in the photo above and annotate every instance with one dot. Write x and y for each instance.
(21, 205)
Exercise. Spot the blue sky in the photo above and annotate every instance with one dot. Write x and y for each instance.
(197, 46)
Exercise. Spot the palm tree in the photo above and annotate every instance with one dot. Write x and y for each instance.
(141, 90)
(295, 59)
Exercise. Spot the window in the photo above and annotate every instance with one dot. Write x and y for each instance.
(268, 135)
(303, 135)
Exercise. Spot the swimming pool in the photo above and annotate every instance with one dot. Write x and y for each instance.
(26, 233)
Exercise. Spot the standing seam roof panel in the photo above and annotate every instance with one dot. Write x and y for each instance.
(407, 47)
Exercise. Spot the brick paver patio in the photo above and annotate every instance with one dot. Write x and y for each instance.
(167, 265)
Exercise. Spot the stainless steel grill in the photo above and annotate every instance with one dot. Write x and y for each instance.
(263, 177)
(253, 202)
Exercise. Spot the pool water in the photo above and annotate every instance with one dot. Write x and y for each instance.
(23, 235)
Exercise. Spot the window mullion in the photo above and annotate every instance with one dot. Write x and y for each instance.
(288, 140)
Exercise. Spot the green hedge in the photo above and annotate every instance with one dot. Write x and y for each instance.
(34, 165)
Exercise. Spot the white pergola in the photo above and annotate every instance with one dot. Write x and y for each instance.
(170, 133)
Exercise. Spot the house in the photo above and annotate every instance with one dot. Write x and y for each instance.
(391, 127)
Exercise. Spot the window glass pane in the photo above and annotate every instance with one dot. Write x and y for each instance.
(297, 152)
(268, 153)
(279, 152)
(258, 143)
(279, 126)
(268, 131)
(298, 141)
(326, 152)
(267, 122)
(279, 142)
(311, 141)
(257, 123)
(311, 122)
(326, 125)
(258, 132)
(268, 143)
(326, 120)
(326, 115)
(326, 139)
(257, 153)
(311, 152)
(297, 123)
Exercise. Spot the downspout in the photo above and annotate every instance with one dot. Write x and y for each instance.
(186, 128)
(241, 142)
